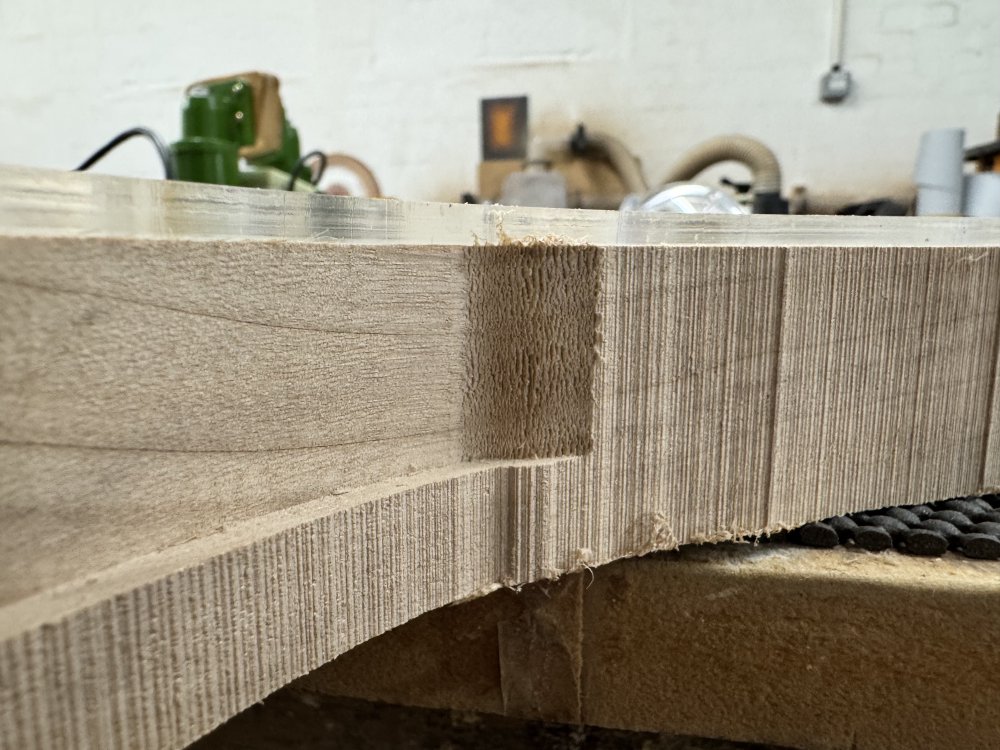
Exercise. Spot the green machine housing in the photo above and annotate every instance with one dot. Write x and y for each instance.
(233, 119)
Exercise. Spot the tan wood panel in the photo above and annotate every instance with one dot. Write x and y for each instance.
(827, 649)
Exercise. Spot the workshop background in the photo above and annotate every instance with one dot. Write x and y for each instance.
(398, 84)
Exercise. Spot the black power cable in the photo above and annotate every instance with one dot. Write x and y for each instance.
(165, 157)
(161, 148)
(302, 162)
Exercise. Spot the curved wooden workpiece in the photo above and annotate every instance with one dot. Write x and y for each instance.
(242, 432)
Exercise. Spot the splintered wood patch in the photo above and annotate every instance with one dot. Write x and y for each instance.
(531, 348)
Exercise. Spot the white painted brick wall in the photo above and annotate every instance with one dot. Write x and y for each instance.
(398, 83)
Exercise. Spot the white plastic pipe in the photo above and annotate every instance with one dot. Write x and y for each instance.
(938, 173)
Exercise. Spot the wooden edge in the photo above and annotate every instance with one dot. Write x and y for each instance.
(154, 653)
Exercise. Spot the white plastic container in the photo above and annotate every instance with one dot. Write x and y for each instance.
(982, 195)
(534, 186)
(938, 173)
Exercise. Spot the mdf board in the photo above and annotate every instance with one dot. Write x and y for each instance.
(827, 649)
(240, 422)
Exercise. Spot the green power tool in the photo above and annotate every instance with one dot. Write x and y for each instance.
(240, 117)
(234, 132)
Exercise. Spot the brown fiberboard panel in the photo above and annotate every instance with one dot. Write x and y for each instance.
(821, 649)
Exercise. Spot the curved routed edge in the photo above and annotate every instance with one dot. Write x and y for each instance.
(157, 651)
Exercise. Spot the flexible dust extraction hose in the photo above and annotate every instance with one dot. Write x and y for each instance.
(612, 149)
(621, 160)
(755, 155)
(359, 169)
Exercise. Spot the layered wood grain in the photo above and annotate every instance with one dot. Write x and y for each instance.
(225, 462)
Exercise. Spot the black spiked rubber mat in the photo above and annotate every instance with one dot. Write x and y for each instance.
(966, 525)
